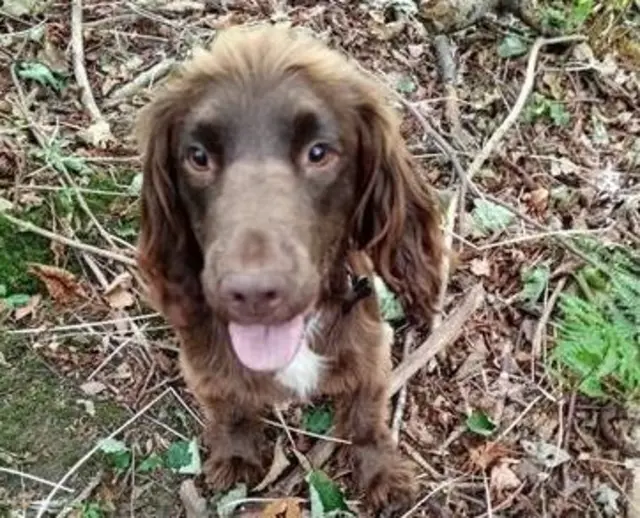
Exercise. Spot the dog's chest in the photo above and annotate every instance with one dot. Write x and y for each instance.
(304, 374)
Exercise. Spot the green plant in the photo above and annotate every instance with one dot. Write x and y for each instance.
(558, 15)
(598, 341)
(542, 107)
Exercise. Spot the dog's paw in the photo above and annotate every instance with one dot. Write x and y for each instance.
(224, 473)
(390, 485)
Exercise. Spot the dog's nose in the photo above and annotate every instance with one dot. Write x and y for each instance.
(253, 295)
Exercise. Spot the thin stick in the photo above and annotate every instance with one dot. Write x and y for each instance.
(542, 235)
(527, 87)
(22, 474)
(396, 421)
(299, 431)
(487, 493)
(519, 418)
(92, 452)
(82, 496)
(144, 79)
(449, 331)
(30, 227)
(79, 70)
(430, 494)
(536, 340)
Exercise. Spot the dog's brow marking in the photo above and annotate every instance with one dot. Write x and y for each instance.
(303, 374)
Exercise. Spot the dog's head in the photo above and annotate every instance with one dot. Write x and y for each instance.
(266, 159)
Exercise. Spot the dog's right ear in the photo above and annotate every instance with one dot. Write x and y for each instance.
(168, 253)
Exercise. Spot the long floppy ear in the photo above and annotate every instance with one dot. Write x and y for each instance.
(168, 253)
(397, 218)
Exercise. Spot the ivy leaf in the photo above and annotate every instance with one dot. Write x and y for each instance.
(390, 306)
(112, 446)
(42, 74)
(317, 420)
(478, 422)
(559, 114)
(227, 503)
(512, 46)
(16, 300)
(117, 453)
(178, 455)
(151, 463)
(194, 465)
(488, 217)
(405, 85)
(326, 496)
(535, 282)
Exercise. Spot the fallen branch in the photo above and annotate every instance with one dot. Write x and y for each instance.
(30, 227)
(445, 334)
(527, 87)
(99, 132)
(140, 81)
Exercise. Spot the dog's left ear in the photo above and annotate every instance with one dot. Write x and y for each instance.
(397, 217)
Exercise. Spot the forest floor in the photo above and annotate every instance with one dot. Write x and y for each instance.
(531, 411)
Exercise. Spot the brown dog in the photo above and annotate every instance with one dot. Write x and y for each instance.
(275, 175)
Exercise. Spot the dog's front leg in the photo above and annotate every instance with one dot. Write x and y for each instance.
(234, 437)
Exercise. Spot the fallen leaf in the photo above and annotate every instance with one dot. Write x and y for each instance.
(325, 494)
(278, 465)
(21, 8)
(288, 506)
(480, 267)
(512, 46)
(487, 217)
(98, 134)
(61, 285)
(120, 299)
(539, 199)
(503, 478)
(29, 308)
(88, 405)
(485, 455)
(545, 454)
(195, 506)
(480, 423)
(91, 388)
(112, 446)
(608, 499)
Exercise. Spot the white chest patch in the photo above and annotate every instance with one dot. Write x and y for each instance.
(305, 371)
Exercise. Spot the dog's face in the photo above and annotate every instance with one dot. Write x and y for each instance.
(266, 172)
(265, 161)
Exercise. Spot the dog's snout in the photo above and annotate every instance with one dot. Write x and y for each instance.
(251, 295)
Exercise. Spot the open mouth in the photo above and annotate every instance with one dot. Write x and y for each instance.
(268, 347)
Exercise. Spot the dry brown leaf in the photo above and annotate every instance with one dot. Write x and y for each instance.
(278, 465)
(120, 298)
(503, 478)
(480, 267)
(29, 308)
(91, 388)
(288, 506)
(62, 285)
(195, 506)
(485, 455)
(539, 199)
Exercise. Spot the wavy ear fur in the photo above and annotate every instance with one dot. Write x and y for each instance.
(169, 255)
(397, 219)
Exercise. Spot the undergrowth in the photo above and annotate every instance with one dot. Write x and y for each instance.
(598, 328)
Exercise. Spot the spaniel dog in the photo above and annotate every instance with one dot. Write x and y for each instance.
(276, 182)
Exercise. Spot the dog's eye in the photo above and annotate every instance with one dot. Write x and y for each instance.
(198, 157)
(317, 153)
(319, 156)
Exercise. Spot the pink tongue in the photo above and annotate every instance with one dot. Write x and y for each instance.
(267, 348)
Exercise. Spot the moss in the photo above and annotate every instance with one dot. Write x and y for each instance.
(42, 422)
(18, 249)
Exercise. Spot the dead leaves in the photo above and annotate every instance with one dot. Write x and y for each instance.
(62, 285)
(118, 293)
(287, 508)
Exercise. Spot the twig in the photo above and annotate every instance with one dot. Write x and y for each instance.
(438, 339)
(407, 345)
(518, 419)
(79, 70)
(30, 227)
(84, 494)
(92, 452)
(430, 494)
(487, 493)
(140, 81)
(299, 431)
(22, 474)
(527, 87)
(536, 340)
(78, 327)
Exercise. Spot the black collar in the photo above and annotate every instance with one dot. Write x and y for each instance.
(359, 287)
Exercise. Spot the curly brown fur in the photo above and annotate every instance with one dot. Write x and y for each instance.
(270, 166)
